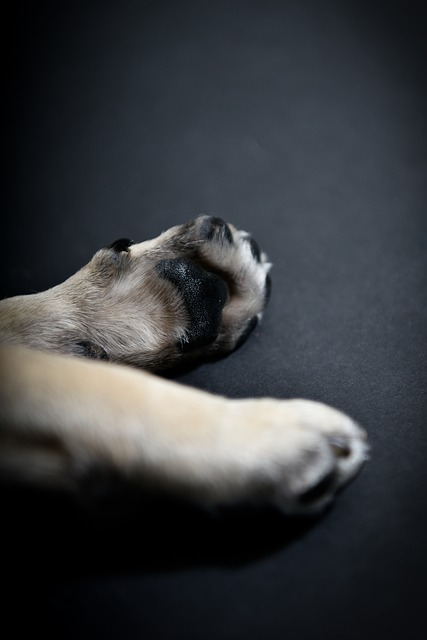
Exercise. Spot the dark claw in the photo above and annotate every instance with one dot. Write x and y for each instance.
(267, 289)
(339, 446)
(247, 332)
(256, 251)
(213, 228)
(319, 490)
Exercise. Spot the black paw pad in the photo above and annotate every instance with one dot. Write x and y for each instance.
(204, 295)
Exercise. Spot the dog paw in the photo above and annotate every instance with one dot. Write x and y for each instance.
(196, 291)
(295, 454)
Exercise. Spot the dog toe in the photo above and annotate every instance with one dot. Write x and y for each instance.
(212, 228)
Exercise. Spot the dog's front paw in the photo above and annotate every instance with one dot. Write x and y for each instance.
(294, 454)
(196, 291)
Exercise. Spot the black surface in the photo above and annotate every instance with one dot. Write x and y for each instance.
(305, 123)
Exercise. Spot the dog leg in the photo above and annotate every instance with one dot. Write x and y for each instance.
(68, 417)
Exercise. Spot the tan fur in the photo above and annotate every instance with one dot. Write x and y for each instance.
(63, 417)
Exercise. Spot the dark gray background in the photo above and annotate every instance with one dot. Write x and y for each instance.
(304, 123)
